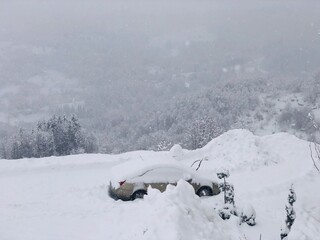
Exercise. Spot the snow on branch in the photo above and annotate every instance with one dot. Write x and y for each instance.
(199, 161)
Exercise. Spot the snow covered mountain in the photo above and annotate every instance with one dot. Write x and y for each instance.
(66, 198)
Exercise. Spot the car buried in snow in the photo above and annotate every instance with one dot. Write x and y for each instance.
(131, 180)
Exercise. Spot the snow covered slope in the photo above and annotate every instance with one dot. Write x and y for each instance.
(66, 197)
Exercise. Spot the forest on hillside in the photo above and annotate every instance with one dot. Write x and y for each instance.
(134, 81)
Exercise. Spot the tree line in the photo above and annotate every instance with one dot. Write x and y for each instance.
(58, 136)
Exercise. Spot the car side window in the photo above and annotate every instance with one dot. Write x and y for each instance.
(162, 175)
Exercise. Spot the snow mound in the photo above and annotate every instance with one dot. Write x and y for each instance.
(175, 214)
(177, 152)
(241, 150)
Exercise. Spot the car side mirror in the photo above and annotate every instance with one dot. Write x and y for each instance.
(189, 180)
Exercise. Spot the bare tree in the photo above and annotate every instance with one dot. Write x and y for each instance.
(199, 161)
(314, 147)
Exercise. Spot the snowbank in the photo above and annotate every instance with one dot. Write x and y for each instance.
(175, 214)
(66, 198)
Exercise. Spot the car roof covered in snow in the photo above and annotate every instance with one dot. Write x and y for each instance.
(135, 168)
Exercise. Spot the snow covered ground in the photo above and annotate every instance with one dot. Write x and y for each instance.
(66, 198)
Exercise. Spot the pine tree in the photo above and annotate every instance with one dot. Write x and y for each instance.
(74, 134)
(224, 174)
(44, 145)
(15, 151)
(229, 190)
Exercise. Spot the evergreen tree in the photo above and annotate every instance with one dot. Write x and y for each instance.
(291, 214)
(15, 151)
(229, 190)
(223, 174)
(22, 145)
(59, 136)
(44, 145)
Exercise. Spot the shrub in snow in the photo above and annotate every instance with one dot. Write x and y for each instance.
(226, 187)
(291, 214)
(229, 193)
(225, 212)
(223, 173)
(248, 215)
(292, 196)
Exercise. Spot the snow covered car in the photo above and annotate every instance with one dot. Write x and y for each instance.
(131, 181)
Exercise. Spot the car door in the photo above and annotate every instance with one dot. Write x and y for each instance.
(164, 176)
(160, 177)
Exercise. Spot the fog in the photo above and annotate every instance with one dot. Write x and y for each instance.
(139, 70)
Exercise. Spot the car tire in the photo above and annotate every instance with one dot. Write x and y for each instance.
(205, 191)
(138, 194)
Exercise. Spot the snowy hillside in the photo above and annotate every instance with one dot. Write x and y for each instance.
(66, 198)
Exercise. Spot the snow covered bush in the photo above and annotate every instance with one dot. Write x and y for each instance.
(226, 187)
(223, 173)
(248, 215)
(225, 211)
(229, 189)
(291, 214)
(228, 208)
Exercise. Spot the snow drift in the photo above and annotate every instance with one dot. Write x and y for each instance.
(66, 197)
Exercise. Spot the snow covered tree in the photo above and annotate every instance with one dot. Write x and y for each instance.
(44, 144)
(66, 134)
(89, 143)
(202, 130)
(15, 151)
(291, 214)
(22, 145)
(163, 145)
(3, 151)
(223, 174)
(74, 133)
(229, 191)
(59, 136)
